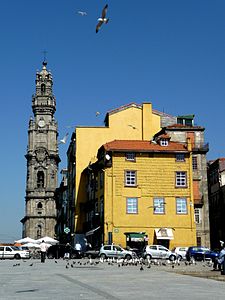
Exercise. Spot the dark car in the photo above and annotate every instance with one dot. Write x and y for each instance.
(59, 250)
(91, 253)
(201, 253)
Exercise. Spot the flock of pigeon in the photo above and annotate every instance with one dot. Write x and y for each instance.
(101, 20)
(140, 263)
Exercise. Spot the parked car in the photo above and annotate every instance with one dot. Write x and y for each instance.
(180, 252)
(201, 253)
(115, 251)
(158, 251)
(91, 253)
(13, 252)
(59, 250)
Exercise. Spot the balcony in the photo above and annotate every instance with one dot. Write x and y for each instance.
(200, 147)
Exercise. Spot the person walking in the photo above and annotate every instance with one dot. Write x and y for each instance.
(43, 247)
(219, 261)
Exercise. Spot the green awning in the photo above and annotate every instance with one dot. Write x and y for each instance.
(135, 236)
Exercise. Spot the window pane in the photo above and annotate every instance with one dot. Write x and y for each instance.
(180, 157)
(158, 206)
(130, 156)
(132, 206)
(130, 178)
(181, 179)
(181, 205)
(194, 163)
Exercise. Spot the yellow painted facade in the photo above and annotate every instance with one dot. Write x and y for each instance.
(131, 122)
(155, 178)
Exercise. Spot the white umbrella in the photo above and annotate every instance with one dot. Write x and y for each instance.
(26, 240)
(31, 245)
(48, 239)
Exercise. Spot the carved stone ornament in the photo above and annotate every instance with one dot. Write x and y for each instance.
(41, 154)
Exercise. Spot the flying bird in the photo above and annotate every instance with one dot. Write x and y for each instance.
(82, 13)
(97, 113)
(64, 139)
(103, 18)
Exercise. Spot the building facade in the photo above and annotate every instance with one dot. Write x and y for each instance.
(42, 161)
(134, 122)
(141, 191)
(180, 131)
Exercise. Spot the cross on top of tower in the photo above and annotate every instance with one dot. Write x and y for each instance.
(44, 54)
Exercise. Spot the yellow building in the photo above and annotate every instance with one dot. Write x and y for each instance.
(141, 191)
(130, 122)
(136, 122)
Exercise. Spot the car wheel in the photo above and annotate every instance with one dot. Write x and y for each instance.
(128, 257)
(103, 256)
(172, 257)
(17, 256)
(148, 256)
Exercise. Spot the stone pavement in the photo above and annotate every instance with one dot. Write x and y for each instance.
(32, 279)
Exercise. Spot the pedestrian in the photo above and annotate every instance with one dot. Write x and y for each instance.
(43, 247)
(218, 262)
(67, 251)
(78, 246)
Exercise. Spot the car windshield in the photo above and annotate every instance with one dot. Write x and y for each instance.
(15, 248)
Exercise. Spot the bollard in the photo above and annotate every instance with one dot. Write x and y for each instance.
(223, 267)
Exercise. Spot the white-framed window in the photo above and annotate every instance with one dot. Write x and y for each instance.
(132, 206)
(180, 157)
(130, 178)
(159, 206)
(181, 206)
(130, 156)
(181, 179)
(198, 215)
(164, 142)
(194, 163)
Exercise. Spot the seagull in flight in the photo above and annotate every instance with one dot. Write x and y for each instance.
(64, 139)
(97, 113)
(82, 13)
(103, 18)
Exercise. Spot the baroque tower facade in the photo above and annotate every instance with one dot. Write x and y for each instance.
(42, 161)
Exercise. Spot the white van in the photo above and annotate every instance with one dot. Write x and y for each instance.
(13, 252)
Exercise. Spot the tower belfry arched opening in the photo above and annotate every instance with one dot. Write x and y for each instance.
(42, 160)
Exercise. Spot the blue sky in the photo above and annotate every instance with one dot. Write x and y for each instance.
(168, 52)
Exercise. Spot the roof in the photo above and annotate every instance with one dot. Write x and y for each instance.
(143, 146)
(133, 104)
(181, 126)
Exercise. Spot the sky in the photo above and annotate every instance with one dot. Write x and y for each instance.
(167, 52)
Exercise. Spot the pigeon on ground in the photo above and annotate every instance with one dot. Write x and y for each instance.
(103, 18)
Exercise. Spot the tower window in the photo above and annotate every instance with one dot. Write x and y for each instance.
(42, 88)
(40, 179)
(39, 205)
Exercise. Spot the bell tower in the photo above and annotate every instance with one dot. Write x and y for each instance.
(42, 161)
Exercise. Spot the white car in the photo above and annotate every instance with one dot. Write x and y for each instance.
(115, 251)
(13, 252)
(180, 252)
(158, 251)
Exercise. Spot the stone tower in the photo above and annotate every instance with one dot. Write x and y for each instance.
(42, 161)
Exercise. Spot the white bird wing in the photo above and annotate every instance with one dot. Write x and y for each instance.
(83, 13)
(63, 141)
